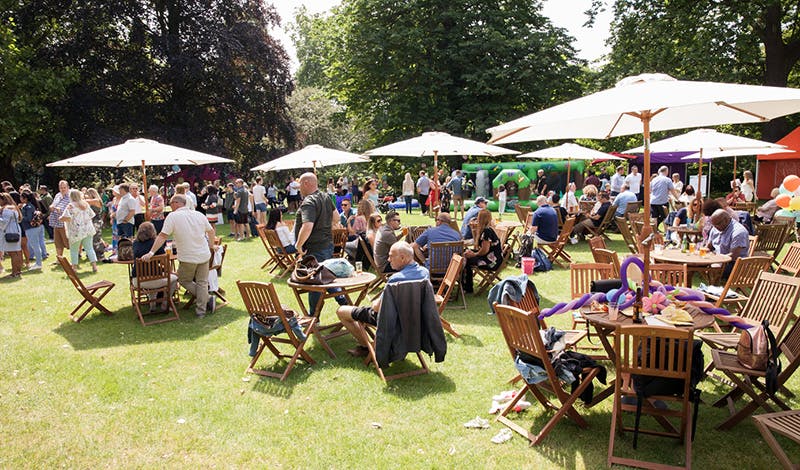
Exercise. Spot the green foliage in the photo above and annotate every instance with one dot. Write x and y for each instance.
(320, 120)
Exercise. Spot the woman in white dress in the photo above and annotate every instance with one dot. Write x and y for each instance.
(748, 186)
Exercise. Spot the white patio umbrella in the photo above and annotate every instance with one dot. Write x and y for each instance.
(708, 142)
(141, 152)
(710, 155)
(570, 152)
(311, 156)
(650, 102)
(438, 143)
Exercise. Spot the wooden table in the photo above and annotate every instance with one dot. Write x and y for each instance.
(605, 327)
(686, 231)
(694, 262)
(347, 285)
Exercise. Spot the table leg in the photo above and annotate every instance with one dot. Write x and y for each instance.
(603, 333)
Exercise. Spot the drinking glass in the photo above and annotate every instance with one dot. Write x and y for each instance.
(359, 267)
(613, 310)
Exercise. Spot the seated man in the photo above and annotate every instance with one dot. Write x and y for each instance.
(728, 237)
(466, 230)
(622, 200)
(401, 258)
(595, 217)
(544, 224)
(442, 232)
(384, 240)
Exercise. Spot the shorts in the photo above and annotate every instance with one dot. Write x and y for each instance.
(231, 215)
(261, 207)
(241, 218)
(365, 315)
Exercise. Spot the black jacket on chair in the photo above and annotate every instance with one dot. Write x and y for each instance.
(408, 322)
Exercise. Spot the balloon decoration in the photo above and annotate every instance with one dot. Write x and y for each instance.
(789, 198)
(660, 296)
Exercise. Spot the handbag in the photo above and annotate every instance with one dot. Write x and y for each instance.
(125, 249)
(308, 271)
(12, 237)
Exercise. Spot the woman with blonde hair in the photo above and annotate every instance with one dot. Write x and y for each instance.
(489, 254)
(77, 218)
(11, 234)
(373, 226)
(359, 226)
(748, 186)
(408, 191)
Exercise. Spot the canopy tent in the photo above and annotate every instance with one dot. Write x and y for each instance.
(311, 156)
(773, 168)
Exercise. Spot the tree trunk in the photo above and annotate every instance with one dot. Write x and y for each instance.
(777, 65)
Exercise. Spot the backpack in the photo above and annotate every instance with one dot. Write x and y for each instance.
(543, 263)
(36, 219)
(757, 349)
(125, 249)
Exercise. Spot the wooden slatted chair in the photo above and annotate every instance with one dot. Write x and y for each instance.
(92, 294)
(627, 236)
(415, 231)
(586, 206)
(792, 229)
(790, 264)
(555, 251)
(271, 261)
(489, 276)
(522, 212)
(339, 241)
(773, 298)
(439, 256)
(529, 304)
(597, 242)
(600, 230)
(747, 382)
(607, 257)
(283, 261)
(154, 277)
(560, 218)
(740, 282)
(771, 238)
(752, 241)
(669, 274)
(581, 276)
(633, 207)
(785, 423)
(521, 332)
(265, 309)
(451, 279)
(670, 356)
(380, 276)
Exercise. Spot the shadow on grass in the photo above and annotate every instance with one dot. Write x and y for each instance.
(466, 340)
(273, 386)
(123, 328)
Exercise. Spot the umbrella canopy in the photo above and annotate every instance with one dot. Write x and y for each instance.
(650, 102)
(311, 156)
(570, 152)
(140, 152)
(438, 143)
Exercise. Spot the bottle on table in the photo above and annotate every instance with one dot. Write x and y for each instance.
(685, 244)
(637, 306)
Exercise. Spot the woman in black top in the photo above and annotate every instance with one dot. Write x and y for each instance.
(490, 251)
(141, 246)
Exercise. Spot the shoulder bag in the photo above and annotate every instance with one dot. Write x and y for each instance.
(308, 271)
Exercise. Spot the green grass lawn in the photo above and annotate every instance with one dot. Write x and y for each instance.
(110, 393)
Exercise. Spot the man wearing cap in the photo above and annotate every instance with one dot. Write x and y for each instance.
(660, 189)
(466, 230)
(617, 181)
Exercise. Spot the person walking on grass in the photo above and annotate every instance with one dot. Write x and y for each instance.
(77, 218)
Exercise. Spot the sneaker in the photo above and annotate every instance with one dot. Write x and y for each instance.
(504, 435)
(358, 351)
(212, 304)
(477, 423)
(573, 240)
(36, 267)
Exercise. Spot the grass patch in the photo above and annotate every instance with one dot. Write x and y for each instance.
(109, 392)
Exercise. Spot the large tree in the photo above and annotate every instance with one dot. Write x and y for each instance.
(205, 74)
(457, 66)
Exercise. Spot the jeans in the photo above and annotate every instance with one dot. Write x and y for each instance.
(408, 200)
(75, 250)
(35, 243)
(322, 253)
(125, 230)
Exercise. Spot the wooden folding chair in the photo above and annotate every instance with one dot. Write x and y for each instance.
(669, 274)
(271, 261)
(790, 264)
(529, 304)
(785, 423)
(92, 294)
(607, 257)
(380, 276)
(265, 309)
(773, 298)
(652, 351)
(555, 251)
(740, 283)
(283, 260)
(581, 276)
(339, 241)
(154, 277)
(439, 256)
(600, 230)
(633, 207)
(747, 382)
(451, 278)
(586, 206)
(771, 238)
(522, 213)
(627, 236)
(370, 333)
(415, 231)
(220, 292)
(521, 332)
(489, 276)
(791, 222)
(597, 242)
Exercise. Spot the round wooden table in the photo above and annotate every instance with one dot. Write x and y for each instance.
(693, 261)
(345, 286)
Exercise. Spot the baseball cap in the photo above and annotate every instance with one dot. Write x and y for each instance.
(480, 199)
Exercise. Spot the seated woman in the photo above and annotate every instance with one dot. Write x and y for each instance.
(490, 251)
(358, 225)
(275, 222)
(766, 212)
(687, 195)
(589, 193)
(142, 245)
(373, 225)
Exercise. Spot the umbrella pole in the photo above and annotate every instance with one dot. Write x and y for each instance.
(646, 229)
(436, 178)
(566, 190)
(142, 192)
(734, 168)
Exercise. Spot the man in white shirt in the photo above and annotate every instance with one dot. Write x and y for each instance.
(191, 198)
(260, 201)
(193, 237)
(634, 180)
(617, 180)
(126, 209)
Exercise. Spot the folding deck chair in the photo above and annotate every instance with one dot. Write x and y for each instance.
(92, 294)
